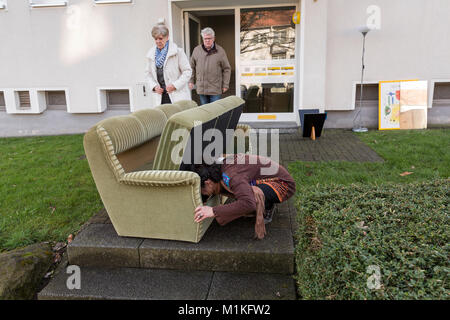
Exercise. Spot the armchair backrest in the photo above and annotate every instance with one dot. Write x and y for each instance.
(177, 145)
(130, 142)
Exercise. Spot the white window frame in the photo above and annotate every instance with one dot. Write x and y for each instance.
(47, 3)
(112, 1)
(102, 97)
(38, 102)
(299, 29)
(355, 84)
(42, 97)
(431, 101)
(3, 107)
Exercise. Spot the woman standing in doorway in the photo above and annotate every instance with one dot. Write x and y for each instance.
(168, 70)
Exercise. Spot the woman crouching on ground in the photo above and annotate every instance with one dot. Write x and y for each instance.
(255, 182)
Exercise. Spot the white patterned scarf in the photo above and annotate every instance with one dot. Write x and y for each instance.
(160, 55)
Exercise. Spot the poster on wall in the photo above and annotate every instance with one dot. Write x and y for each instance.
(402, 105)
(413, 105)
(389, 105)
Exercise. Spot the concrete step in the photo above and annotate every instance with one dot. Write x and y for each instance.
(156, 284)
(229, 249)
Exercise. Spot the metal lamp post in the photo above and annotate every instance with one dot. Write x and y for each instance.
(357, 127)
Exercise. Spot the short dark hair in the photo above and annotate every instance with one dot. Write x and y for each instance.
(205, 171)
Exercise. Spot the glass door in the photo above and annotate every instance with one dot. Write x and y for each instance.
(191, 32)
(267, 64)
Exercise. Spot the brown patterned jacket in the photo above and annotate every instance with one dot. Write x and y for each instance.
(242, 169)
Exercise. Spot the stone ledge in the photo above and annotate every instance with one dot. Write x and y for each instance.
(99, 245)
(155, 284)
(245, 286)
(130, 284)
(229, 248)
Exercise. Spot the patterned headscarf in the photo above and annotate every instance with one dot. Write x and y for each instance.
(160, 55)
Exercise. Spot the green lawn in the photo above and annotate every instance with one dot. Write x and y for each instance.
(425, 153)
(46, 189)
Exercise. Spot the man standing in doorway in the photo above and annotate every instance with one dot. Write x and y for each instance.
(211, 70)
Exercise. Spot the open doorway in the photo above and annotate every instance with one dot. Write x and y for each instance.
(222, 22)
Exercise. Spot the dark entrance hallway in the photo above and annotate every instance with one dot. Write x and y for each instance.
(222, 22)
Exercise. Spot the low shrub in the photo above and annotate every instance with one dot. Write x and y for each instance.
(374, 241)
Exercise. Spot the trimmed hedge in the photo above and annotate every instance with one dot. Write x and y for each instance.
(402, 229)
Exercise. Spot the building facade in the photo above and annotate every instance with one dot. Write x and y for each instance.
(66, 64)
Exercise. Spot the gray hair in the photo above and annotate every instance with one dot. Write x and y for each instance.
(160, 30)
(207, 31)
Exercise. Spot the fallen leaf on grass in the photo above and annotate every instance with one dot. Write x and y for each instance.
(57, 258)
(59, 246)
(69, 238)
(406, 173)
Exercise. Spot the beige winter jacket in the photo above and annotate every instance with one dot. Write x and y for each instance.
(177, 71)
(210, 73)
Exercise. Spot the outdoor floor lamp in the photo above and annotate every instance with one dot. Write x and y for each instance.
(357, 121)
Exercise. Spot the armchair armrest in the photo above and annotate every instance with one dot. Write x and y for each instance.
(160, 178)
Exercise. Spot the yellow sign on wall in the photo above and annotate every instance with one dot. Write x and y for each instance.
(296, 17)
(267, 117)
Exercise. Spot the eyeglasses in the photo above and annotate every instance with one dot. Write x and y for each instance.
(208, 39)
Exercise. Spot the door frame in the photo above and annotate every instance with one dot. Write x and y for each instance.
(186, 35)
(299, 29)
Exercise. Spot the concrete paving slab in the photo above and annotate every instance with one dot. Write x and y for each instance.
(228, 248)
(245, 286)
(130, 284)
(99, 245)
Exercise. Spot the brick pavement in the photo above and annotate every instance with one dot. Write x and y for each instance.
(333, 145)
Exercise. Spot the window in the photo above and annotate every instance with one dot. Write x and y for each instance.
(56, 100)
(370, 95)
(2, 101)
(112, 1)
(279, 36)
(279, 55)
(23, 99)
(114, 98)
(441, 96)
(3, 5)
(118, 99)
(47, 3)
(265, 31)
(261, 38)
(267, 49)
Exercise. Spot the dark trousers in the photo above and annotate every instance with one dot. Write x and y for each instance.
(270, 197)
(165, 98)
(204, 99)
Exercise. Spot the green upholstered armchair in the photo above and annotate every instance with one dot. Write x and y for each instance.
(139, 181)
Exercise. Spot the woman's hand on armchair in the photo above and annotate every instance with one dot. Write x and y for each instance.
(203, 212)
